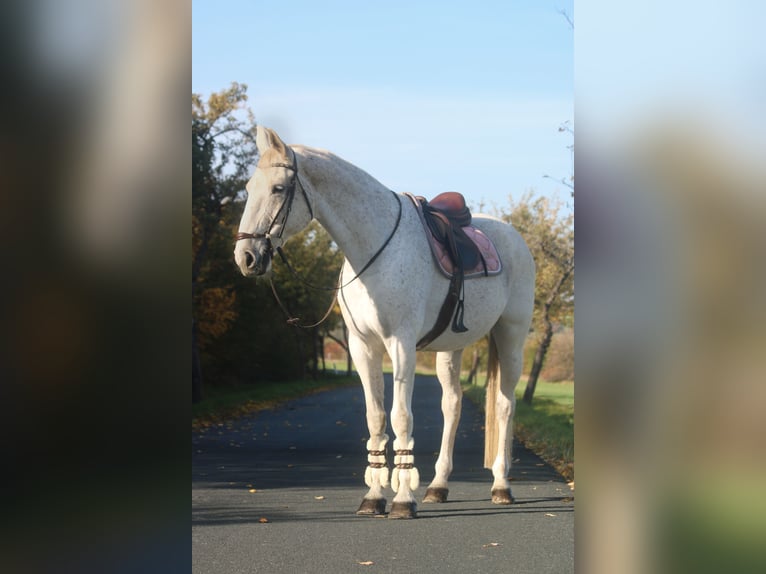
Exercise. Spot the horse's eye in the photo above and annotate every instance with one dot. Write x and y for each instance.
(278, 189)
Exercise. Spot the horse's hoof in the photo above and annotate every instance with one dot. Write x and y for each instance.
(372, 507)
(502, 496)
(436, 495)
(403, 510)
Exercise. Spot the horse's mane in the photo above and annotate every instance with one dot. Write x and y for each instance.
(340, 164)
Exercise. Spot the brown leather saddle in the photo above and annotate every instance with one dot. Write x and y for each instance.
(445, 216)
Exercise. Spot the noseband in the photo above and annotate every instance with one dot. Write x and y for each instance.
(284, 210)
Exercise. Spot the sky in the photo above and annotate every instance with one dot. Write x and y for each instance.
(642, 64)
(426, 96)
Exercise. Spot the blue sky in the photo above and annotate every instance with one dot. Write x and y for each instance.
(653, 62)
(425, 96)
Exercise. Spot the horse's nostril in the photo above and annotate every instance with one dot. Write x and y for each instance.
(249, 259)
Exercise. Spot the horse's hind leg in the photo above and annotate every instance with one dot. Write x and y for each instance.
(368, 361)
(509, 340)
(448, 371)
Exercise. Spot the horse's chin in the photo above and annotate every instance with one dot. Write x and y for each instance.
(259, 271)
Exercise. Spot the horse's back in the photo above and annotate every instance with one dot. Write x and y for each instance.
(508, 241)
(517, 260)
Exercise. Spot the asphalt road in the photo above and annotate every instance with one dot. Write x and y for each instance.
(277, 492)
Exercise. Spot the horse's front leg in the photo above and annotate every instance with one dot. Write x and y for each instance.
(368, 360)
(405, 477)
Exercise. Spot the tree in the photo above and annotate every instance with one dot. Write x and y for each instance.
(317, 260)
(223, 152)
(239, 334)
(550, 238)
(566, 127)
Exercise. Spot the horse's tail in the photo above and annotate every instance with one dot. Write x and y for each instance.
(490, 419)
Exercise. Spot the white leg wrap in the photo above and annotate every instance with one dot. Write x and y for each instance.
(411, 474)
(381, 472)
(404, 463)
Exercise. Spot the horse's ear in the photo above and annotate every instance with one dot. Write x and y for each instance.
(266, 138)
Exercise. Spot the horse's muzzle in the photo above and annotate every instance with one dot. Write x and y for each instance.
(253, 257)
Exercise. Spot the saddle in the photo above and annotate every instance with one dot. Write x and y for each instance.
(459, 249)
(446, 215)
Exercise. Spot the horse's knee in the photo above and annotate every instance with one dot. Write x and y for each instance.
(401, 421)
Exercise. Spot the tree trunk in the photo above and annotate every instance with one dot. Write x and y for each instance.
(545, 342)
(344, 345)
(321, 353)
(196, 368)
(300, 368)
(315, 360)
(537, 364)
(474, 366)
(348, 352)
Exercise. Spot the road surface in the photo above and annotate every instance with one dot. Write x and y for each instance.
(277, 492)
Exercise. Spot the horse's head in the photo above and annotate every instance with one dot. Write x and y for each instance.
(272, 213)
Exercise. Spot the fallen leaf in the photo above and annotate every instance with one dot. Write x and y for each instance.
(319, 498)
(571, 484)
(549, 514)
(366, 563)
(490, 545)
(252, 490)
(263, 520)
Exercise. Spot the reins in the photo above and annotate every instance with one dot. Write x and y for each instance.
(295, 321)
(287, 207)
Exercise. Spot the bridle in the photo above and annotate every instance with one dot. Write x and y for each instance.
(284, 209)
(284, 212)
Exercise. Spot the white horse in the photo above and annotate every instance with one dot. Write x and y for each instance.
(391, 295)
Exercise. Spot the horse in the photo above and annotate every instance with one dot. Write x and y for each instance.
(390, 294)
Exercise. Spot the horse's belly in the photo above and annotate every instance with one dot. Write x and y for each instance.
(485, 300)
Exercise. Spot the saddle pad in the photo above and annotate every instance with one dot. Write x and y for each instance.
(485, 245)
(442, 258)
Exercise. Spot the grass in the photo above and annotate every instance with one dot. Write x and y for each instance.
(222, 403)
(547, 425)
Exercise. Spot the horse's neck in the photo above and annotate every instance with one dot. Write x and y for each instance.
(356, 210)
